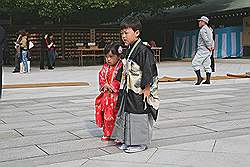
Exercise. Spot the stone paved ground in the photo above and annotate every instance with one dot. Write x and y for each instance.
(198, 126)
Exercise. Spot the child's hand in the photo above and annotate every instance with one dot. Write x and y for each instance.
(106, 87)
(146, 92)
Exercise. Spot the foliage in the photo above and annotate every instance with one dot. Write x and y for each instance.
(55, 9)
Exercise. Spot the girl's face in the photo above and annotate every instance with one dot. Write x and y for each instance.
(111, 58)
(129, 36)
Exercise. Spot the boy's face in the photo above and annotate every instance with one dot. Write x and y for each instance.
(129, 36)
(111, 58)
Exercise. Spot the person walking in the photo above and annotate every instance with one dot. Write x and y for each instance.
(205, 47)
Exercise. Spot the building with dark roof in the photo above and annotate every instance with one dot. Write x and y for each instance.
(222, 14)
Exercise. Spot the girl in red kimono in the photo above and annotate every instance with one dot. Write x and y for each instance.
(109, 88)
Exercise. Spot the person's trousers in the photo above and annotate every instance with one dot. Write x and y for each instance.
(24, 60)
(42, 60)
(17, 61)
(52, 58)
(202, 60)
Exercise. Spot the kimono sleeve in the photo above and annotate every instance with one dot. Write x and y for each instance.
(148, 67)
(102, 77)
(117, 80)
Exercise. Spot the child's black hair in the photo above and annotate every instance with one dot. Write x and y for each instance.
(23, 32)
(131, 22)
(115, 49)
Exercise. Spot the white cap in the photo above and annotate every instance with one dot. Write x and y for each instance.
(204, 18)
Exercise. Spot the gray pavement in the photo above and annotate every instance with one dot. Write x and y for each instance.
(198, 126)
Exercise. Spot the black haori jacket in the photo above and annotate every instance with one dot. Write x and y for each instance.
(141, 70)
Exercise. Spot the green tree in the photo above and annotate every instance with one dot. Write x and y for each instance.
(56, 9)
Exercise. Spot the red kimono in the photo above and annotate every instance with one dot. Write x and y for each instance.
(105, 103)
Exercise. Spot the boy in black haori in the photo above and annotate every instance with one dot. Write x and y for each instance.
(138, 100)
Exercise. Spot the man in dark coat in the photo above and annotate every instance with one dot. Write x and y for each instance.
(43, 52)
(2, 41)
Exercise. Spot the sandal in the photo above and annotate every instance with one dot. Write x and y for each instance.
(117, 142)
(105, 138)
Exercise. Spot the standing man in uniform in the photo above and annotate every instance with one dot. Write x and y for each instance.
(205, 47)
(2, 40)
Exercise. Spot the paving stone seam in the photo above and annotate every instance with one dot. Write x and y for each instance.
(164, 128)
(73, 121)
(105, 150)
(184, 150)
(13, 128)
(152, 155)
(47, 154)
(198, 124)
(205, 128)
(40, 156)
(36, 143)
(57, 131)
(41, 149)
(48, 122)
(39, 119)
(71, 113)
(206, 136)
(204, 107)
(3, 121)
(75, 135)
(224, 120)
(35, 126)
(37, 156)
(233, 85)
(50, 133)
(206, 116)
(85, 162)
(200, 151)
(29, 112)
(36, 99)
(205, 133)
(171, 118)
(138, 163)
(18, 132)
(52, 106)
(214, 145)
(181, 126)
(100, 148)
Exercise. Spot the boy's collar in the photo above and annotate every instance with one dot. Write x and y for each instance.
(131, 45)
